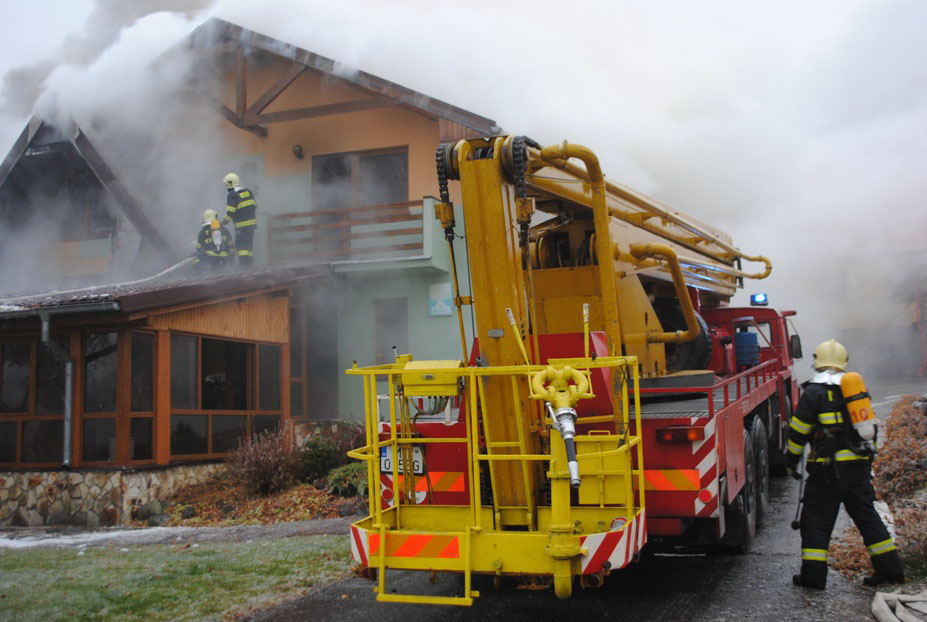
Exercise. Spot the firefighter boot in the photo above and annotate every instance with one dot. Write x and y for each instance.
(887, 569)
(803, 581)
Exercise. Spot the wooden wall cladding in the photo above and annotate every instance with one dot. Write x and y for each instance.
(264, 317)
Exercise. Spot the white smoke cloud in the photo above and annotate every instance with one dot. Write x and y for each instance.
(796, 127)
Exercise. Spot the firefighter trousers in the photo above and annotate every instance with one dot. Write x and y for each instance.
(244, 240)
(830, 484)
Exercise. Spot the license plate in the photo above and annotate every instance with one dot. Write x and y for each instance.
(418, 460)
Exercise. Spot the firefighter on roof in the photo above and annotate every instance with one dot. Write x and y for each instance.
(240, 209)
(213, 244)
(839, 471)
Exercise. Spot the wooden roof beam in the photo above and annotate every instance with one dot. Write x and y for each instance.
(322, 111)
(229, 114)
(262, 102)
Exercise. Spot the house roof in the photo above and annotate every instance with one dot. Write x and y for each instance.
(176, 285)
(218, 36)
(39, 141)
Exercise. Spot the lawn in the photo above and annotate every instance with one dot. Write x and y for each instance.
(205, 581)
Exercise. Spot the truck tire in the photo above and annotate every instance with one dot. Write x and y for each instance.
(740, 516)
(695, 354)
(761, 456)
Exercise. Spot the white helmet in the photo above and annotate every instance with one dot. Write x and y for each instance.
(231, 180)
(831, 353)
(209, 216)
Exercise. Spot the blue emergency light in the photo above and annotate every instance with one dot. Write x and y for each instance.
(759, 300)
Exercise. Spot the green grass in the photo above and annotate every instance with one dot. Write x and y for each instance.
(164, 582)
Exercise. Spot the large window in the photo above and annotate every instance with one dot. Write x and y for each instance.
(141, 388)
(344, 180)
(32, 379)
(226, 391)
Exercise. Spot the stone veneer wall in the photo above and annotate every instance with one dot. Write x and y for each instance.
(89, 497)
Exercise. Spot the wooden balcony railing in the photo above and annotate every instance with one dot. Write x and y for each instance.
(367, 232)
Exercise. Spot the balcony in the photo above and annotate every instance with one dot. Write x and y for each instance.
(368, 237)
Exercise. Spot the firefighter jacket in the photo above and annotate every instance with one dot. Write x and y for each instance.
(821, 418)
(213, 246)
(240, 208)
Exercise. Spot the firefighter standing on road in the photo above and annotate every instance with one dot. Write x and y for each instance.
(213, 244)
(240, 208)
(839, 471)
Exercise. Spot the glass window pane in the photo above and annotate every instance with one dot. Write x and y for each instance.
(188, 434)
(50, 377)
(227, 432)
(384, 178)
(296, 343)
(296, 399)
(264, 423)
(140, 439)
(269, 377)
(142, 372)
(8, 441)
(100, 373)
(14, 392)
(99, 440)
(225, 374)
(183, 371)
(43, 441)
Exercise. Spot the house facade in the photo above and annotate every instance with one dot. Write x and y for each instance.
(117, 387)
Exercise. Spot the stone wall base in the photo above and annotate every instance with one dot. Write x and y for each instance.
(88, 497)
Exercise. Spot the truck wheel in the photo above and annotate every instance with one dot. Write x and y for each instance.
(781, 411)
(761, 455)
(740, 516)
(695, 354)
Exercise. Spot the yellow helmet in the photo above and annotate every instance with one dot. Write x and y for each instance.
(231, 180)
(831, 353)
(209, 216)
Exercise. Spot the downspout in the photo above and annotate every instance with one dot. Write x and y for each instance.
(44, 316)
(68, 385)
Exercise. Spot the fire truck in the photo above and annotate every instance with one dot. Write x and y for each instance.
(610, 395)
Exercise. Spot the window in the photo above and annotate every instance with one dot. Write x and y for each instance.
(231, 379)
(50, 378)
(15, 372)
(140, 439)
(391, 322)
(99, 440)
(100, 373)
(183, 372)
(32, 378)
(43, 441)
(142, 372)
(8, 436)
(269, 377)
(189, 434)
(344, 180)
(225, 375)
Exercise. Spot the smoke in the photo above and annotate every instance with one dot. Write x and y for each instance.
(795, 127)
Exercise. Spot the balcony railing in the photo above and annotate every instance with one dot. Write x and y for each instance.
(368, 232)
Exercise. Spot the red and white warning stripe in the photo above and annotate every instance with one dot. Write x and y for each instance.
(359, 545)
(617, 547)
(705, 456)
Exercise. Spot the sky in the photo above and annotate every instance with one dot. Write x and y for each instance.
(798, 127)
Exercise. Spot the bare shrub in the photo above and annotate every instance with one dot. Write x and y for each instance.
(268, 463)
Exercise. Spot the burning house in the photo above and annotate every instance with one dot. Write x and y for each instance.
(136, 374)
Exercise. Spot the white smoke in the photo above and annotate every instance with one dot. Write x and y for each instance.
(796, 127)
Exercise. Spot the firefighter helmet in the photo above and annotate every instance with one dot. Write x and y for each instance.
(209, 216)
(831, 353)
(231, 180)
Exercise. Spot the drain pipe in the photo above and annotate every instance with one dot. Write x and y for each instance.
(44, 316)
(68, 385)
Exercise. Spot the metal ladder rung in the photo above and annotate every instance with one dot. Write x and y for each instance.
(463, 556)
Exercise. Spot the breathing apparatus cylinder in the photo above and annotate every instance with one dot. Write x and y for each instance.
(858, 404)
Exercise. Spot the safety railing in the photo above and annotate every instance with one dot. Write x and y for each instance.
(605, 458)
(723, 394)
(365, 232)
